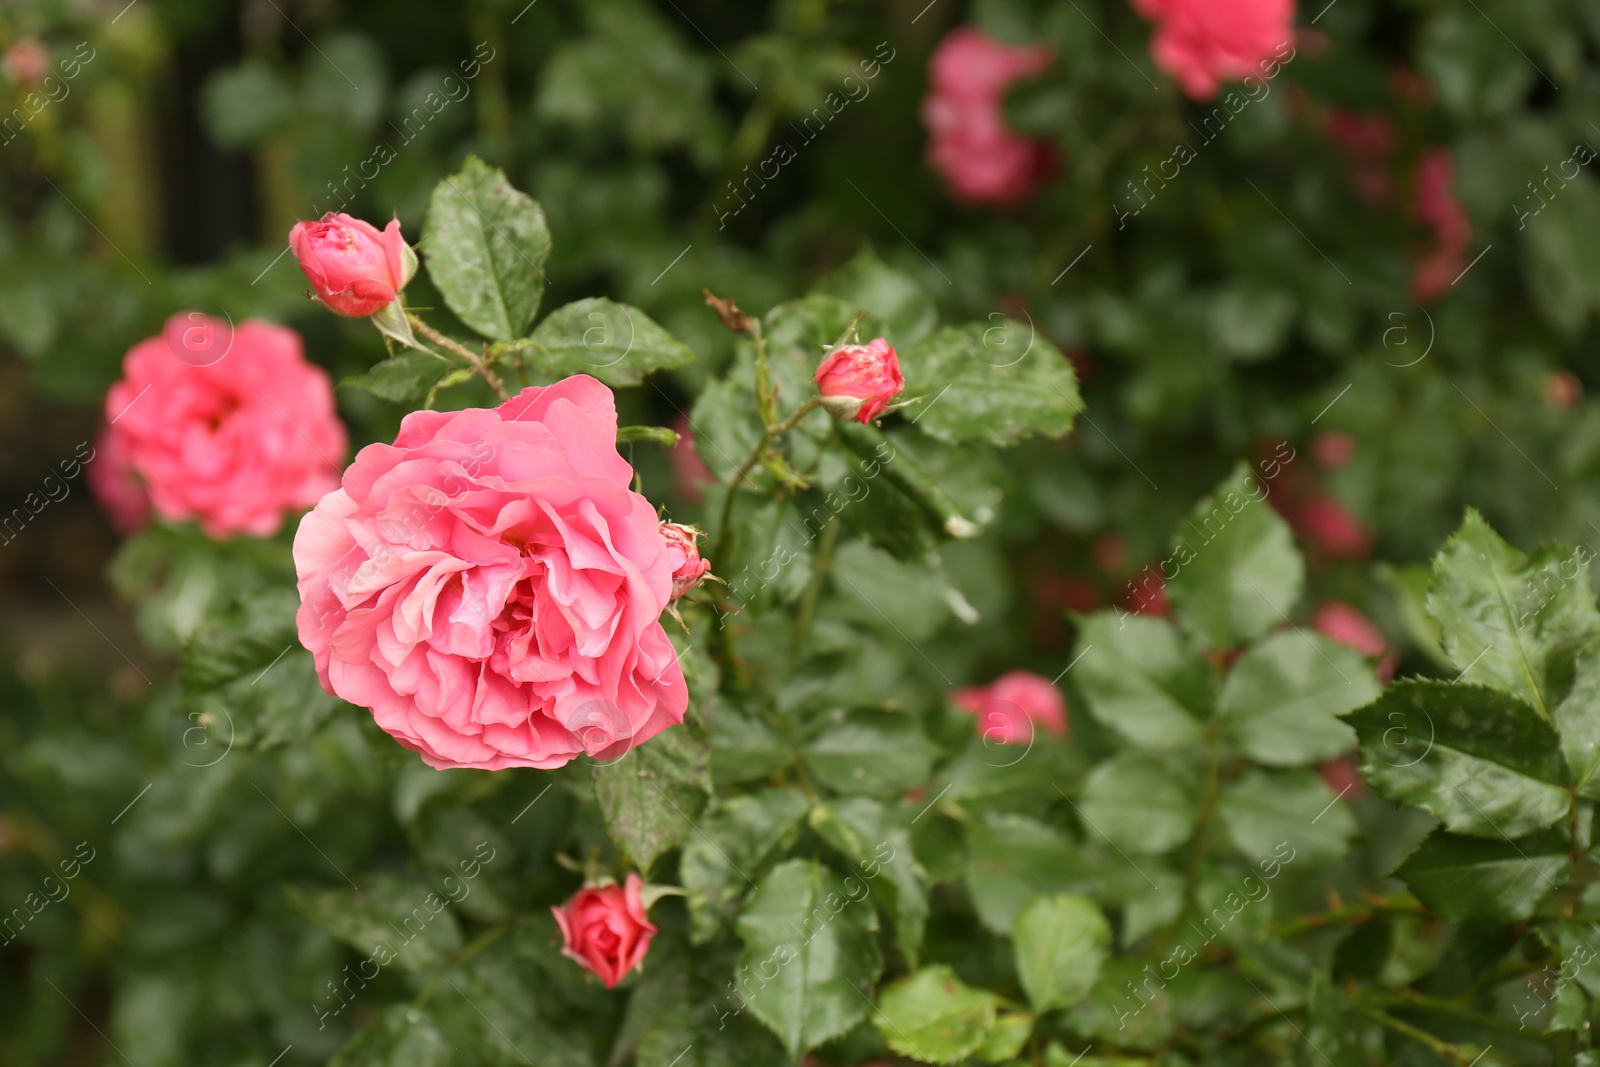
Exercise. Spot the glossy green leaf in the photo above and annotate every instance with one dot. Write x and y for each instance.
(391, 919)
(893, 297)
(810, 954)
(1139, 804)
(878, 848)
(1281, 701)
(400, 1036)
(879, 755)
(1501, 881)
(734, 839)
(613, 342)
(934, 1017)
(999, 382)
(1235, 570)
(1505, 613)
(651, 796)
(1262, 810)
(1011, 1032)
(1577, 717)
(486, 243)
(1060, 943)
(405, 378)
(1141, 679)
(1011, 859)
(1482, 762)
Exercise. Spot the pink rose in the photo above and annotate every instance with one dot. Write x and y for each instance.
(1012, 705)
(1449, 228)
(1343, 776)
(858, 381)
(353, 268)
(970, 146)
(230, 427)
(491, 588)
(683, 555)
(1205, 42)
(689, 472)
(604, 929)
(1344, 624)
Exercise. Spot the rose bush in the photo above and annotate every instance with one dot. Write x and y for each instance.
(871, 839)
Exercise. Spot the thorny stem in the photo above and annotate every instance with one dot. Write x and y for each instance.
(1350, 915)
(768, 436)
(1414, 1001)
(474, 360)
(819, 574)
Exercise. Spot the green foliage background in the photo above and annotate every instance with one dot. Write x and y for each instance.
(165, 725)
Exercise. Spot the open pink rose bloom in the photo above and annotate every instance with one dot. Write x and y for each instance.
(491, 588)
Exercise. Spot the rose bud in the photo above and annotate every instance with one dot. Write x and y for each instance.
(858, 381)
(354, 269)
(27, 61)
(1012, 705)
(604, 928)
(683, 553)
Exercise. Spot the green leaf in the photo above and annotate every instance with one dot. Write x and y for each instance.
(1577, 718)
(1060, 943)
(391, 919)
(736, 837)
(933, 1017)
(246, 680)
(651, 796)
(1139, 804)
(400, 1036)
(1142, 680)
(895, 298)
(743, 747)
(616, 343)
(1005, 1041)
(1237, 570)
(1281, 701)
(694, 1018)
(1480, 761)
(998, 382)
(810, 953)
(1503, 880)
(875, 845)
(1262, 809)
(1504, 613)
(486, 244)
(880, 755)
(405, 378)
(1012, 859)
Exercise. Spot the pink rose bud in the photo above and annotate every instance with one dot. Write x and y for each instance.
(604, 929)
(1342, 623)
(353, 268)
(1012, 705)
(683, 552)
(858, 381)
(1343, 776)
(1562, 389)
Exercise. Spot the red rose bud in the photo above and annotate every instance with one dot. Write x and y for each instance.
(858, 381)
(1562, 389)
(683, 552)
(604, 929)
(353, 268)
(27, 61)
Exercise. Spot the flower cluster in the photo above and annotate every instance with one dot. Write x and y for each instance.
(1203, 43)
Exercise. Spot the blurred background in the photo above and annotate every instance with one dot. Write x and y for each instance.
(1384, 260)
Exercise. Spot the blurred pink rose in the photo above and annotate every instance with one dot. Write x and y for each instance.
(1332, 449)
(27, 61)
(1343, 776)
(970, 146)
(491, 588)
(604, 929)
(233, 436)
(1369, 140)
(683, 555)
(1562, 389)
(1344, 624)
(1331, 527)
(858, 381)
(1449, 229)
(1009, 707)
(1205, 42)
(689, 472)
(353, 268)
